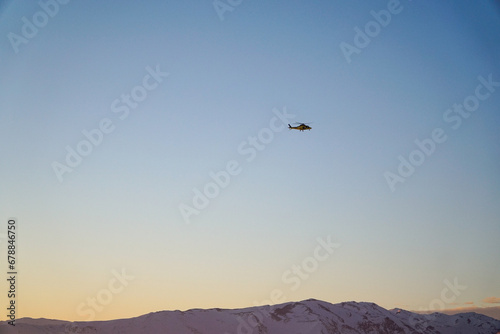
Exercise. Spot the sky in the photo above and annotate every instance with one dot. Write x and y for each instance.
(147, 160)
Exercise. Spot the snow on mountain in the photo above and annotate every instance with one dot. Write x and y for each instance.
(309, 316)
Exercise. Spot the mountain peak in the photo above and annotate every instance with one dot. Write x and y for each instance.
(307, 316)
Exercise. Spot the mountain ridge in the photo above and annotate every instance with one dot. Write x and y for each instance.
(307, 316)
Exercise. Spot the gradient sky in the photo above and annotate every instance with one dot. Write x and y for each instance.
(118, 210)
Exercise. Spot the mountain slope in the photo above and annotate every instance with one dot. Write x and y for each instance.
(309, 316)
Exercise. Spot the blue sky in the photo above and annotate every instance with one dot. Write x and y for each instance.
(119, 209)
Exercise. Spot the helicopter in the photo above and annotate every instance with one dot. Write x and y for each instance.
(300, 126)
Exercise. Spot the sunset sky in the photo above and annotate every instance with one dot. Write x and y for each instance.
(147, 159)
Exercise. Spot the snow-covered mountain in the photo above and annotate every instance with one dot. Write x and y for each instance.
(309, 316)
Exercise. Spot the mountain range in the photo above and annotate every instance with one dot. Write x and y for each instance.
(308, 316)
